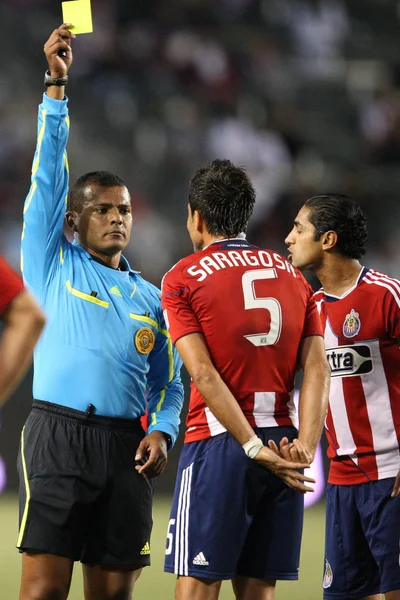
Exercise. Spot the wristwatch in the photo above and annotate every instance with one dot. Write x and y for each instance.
(58, 81)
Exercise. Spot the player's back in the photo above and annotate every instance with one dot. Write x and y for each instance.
(253, 309)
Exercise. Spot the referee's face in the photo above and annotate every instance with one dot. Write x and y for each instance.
(105, 223)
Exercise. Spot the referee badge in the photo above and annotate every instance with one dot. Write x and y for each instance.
(145, 340)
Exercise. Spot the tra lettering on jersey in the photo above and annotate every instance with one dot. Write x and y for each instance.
(363, 420)
(253, 309)
(347, 361)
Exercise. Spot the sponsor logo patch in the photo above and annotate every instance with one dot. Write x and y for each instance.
(352, 324)
(145, 340)
(347, 361)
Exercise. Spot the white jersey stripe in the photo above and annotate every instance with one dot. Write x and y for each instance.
(264, 409)
(392, 279)
(293, 410)
(183, 557)
(380, 414)
(383, 283)
(178, 548)
(344, 436)
(180, 524)
(338, 408)
(214, 425)
(189, 489)
(394, 282)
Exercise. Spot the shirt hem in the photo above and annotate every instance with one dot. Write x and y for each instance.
(362, 477)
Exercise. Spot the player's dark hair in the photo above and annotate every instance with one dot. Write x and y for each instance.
(224, 196)
(77, 195)
(339, 213)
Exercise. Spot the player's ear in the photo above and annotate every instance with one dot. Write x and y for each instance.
(198, 221)
(329, 240)
(71, 218)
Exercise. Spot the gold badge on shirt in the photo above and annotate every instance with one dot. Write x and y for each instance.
(145, 340)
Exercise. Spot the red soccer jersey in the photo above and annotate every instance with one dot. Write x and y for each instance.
(363, 421)
(10, 285)
(253, 309)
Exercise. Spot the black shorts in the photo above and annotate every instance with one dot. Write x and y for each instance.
(80, 495)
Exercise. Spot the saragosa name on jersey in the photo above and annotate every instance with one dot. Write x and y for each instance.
(216, 261)
(347, 361)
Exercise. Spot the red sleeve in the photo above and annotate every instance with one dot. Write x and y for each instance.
(312, 324)
(391, 307)
(10, 285)
(179, 315)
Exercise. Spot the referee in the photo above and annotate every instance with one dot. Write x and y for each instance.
(105, 360)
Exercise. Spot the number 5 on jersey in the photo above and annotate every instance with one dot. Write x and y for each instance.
(270, 304)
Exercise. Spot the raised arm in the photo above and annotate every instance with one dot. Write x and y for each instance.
(42, 244)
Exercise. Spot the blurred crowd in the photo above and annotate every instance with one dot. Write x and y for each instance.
(304, 93)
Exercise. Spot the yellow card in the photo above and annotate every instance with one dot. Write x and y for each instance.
(79, 13)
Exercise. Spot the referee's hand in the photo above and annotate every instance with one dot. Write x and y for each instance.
(152, 455)
(286, 470)
(58, 50)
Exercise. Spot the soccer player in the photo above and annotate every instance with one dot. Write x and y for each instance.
(242, 319)
(23, 322)
(360, 312)
(104, 360)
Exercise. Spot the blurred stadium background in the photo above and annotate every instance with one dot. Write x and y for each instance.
(304, 93)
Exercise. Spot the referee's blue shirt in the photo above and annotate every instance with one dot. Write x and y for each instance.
(106, 341)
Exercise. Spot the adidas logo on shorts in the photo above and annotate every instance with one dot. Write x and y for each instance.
(200, 560)
(146, 549)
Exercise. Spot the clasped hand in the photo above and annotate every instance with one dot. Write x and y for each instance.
(286, 462)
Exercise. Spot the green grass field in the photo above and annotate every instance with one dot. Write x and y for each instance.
(154, 584)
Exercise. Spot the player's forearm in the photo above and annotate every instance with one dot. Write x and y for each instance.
(223, 405)
(21, 332)
(313, 404)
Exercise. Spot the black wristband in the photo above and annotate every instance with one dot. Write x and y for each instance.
(58, 81)
(168, 439)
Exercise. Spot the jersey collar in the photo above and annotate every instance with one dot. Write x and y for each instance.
(126, 268)
(332, 298)
(236, 242)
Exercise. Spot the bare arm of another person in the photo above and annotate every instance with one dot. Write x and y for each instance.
(226, 409)
(23, 323)
(314, 393)
(314, 396)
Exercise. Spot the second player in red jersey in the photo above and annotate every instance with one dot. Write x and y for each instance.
(360, 313)
(253, 309)
(363, 421)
